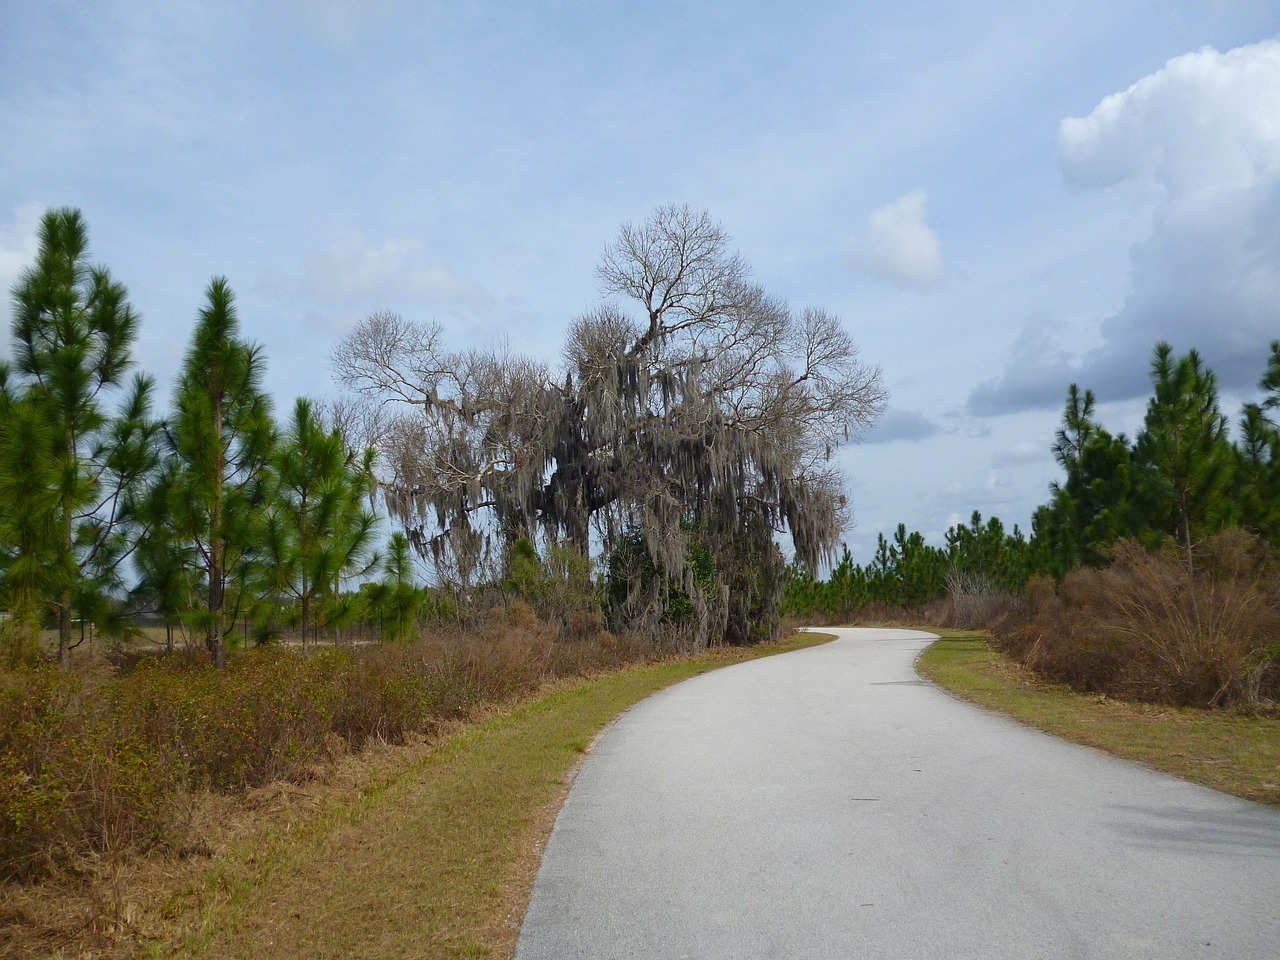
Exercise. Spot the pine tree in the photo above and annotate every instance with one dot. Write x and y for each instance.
(73, 334)
(319, 530)
(1185, 460)
(1257, 488)
(1270, 382)
(221, 438)
(35, 569)
(396, 598)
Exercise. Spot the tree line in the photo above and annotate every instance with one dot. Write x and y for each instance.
(642, 481)
(212, 514)
(1179, 482)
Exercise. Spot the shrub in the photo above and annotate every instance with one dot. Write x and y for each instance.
(71, 782)
(1153, 627)
(92, 764)
(975, 601)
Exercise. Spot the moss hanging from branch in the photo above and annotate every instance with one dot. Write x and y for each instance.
(706, 421)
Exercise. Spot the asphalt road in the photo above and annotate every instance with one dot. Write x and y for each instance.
(829, 804)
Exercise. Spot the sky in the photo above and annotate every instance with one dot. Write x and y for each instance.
(997, 199)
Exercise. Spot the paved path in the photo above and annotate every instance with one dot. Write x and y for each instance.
(829, 804)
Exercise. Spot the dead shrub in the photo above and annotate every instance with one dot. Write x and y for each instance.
(1153, 627)
(975, 601)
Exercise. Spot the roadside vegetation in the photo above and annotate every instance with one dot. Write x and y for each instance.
(1233, 750)
(1151, 574)
(199, 602)
(423, 849)
(259, 631)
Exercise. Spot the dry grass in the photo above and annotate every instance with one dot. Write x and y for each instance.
(1237, 752)
(422, 850)
(1151, 627)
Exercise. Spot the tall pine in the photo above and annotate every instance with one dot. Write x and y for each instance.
(72, 468)
(221, 439)
(320, 528)
(1184, 458)
(1258, 457)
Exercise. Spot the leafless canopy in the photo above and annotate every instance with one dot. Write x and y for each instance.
(690, 405)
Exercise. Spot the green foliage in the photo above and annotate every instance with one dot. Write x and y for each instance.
(638, 592)
(1183, 453)
(1257, 473)
(1094, 506)
(560, 589)
(908, 572)
(1182, 479)
(37, 569)
(69, 468)
(211, 501)
(397, 600)
(318, 528)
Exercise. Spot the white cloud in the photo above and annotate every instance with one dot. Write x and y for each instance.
(899, 245)
(1205, 132)
(1207, 121)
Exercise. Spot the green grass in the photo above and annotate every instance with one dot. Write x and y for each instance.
(435, 855)
(1238, 753)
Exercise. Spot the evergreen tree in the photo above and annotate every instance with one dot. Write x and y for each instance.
(73, 334)
(319, 529)
(221, 439)
(1093, 506)
(1257, 492)
(1258, 457)
(34, 567)
(1184, 457)
(396, 597)
(1270, 382)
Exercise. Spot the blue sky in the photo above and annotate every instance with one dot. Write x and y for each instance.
(997, 199)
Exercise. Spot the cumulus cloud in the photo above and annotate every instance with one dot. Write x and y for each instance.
(898, 424)
(1034, 371)
(1206, 121)
(899, 245)
(1205, 132)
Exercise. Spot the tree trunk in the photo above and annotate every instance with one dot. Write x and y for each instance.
(216, 640)
(64, 629)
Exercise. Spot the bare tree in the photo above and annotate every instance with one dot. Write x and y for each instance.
(701, 427)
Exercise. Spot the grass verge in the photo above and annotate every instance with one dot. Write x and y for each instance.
(433, 855)
(1235, 752)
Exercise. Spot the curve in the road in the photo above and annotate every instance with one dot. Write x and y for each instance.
(829, 803)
